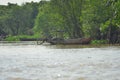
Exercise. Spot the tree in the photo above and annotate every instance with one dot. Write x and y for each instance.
(113, 27)
(95, 14)
(47, 21)
(18, 20)
(70, 10)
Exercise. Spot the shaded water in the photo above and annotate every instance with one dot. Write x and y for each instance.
(37, 62)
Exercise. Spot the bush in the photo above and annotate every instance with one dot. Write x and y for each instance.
(99, 42)
(12, 38)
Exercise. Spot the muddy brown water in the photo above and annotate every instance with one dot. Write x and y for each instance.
(45, 62)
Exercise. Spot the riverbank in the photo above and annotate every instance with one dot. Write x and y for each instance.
(85, 46)
(35, 43)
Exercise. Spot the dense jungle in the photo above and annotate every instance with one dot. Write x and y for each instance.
(97, 19)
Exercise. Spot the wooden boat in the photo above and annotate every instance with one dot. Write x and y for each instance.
(70, 41)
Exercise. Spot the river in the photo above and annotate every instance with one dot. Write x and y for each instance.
(42, 62)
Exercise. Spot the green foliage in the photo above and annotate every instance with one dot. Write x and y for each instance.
(17, 38)
(99, 42)
(95, 14)
(18, 20)
(47, 21)
(12, 38)
(27, 37)
(98, 19)
(70, 10)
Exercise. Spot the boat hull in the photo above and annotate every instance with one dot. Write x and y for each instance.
(72, 41)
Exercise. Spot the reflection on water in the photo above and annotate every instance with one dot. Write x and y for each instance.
(43, 62)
